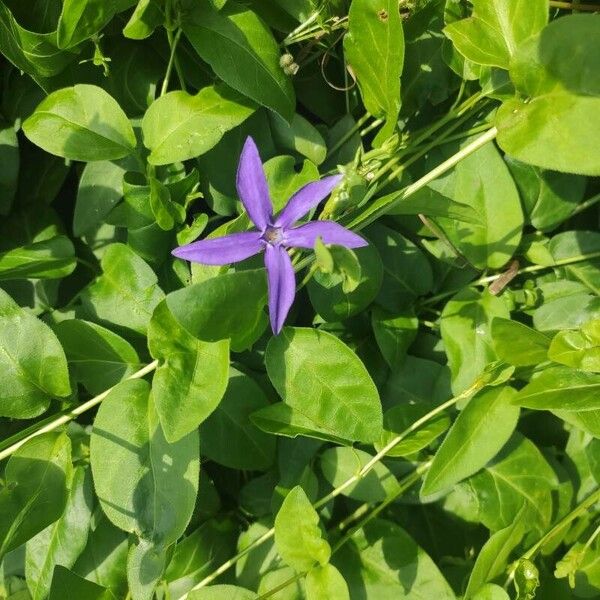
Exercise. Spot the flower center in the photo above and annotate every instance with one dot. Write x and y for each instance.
(273, 235)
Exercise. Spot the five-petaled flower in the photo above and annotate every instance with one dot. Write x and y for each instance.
(273, 234)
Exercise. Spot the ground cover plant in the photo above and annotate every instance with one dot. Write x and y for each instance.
(405, 403)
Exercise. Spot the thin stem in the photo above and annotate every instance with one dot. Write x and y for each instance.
(573, 6)
(586, 204)
(75, 412)
(173, 41)
(530, 269)
(581, 508)
(377, 209)
(300, 29)
(354, 129)
(337, 491)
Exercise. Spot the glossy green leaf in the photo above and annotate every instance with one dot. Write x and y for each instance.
(576, 244)
(323, 583)
(48, 259)
(478, 434)
(465, 327)
(332, 302)
(222, 592)
(33, 367)
(98, 358)
(81, 123)
(226, 307)
(519, 475)
(374, 49)
(518, 344)
(407, 272)
(146, 563)
(297, 534)
(178, 126)
(62, 542)
(149, 486)
(555, 121)
(394, 334)
(561, 388)
(496, 29)
(242, 51)
(127, 291)
(300, 136)
(491, 591)
(100, 189)
(578, 349)
(340, 464)
(483, 182)
(253, 449)
(366, 565)
(66, 585)
(81, 19)
(146, 17)
(192, 375)
(35, 491)
(320, 377)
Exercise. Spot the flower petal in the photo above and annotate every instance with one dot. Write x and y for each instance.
(222, 250)
(305, 198)
(252, 186)
(282, 285)
(305, 236)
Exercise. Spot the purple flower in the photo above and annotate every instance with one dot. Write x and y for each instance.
(274, 234)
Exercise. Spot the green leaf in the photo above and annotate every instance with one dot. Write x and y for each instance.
(554, 123)
(66, 585)
(48, 259)
(518, 344)
(490, 591)
(478, 434)
(465, 328)
(407, 272)
(178, 126)
(494, 555)
(394, 334)
(400, 417)
(243, 53)
(281, 419)
(483, 182)
(35, 490)
(81, 19)
(222, 592)
(366, 565)
(226, 307)
(374, 49)
(324, 583)
(340, 464)
(31, 52)
(518, 476)
(100, 189)
(549, 197)
(146, 563)
(33, 367)
(300, 137)
(146, 17)
(97, 357)
(561, 388)
(192, 375)
(297, 534)
(578, 349)
(332, 302)
(149, 486)
(253, 449)
(127, 291)
(320, 377)
(527, 580)
(62, 542)
(496, 29)
(81, 123)
(575, 244)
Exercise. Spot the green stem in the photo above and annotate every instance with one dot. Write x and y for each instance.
(530, 269)
(586, 204)
(173, 41)
(354, 129)
(72, 413)
(581, 508)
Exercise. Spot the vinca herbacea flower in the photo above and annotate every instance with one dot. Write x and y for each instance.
(273, 234)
